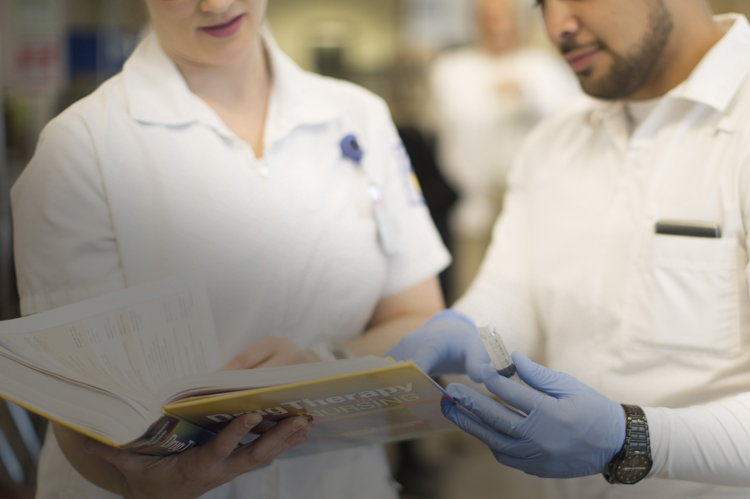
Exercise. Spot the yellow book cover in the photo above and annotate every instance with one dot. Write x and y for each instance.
(394, 402)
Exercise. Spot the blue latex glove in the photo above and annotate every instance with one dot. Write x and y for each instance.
(448, 343)
(570, 429)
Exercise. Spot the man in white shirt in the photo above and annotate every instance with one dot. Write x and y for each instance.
(621, 260)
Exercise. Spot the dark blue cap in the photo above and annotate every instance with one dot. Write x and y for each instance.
(350, 148)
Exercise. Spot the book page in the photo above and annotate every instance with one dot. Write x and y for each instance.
(129, 342)
(246, 379)
(85, 408)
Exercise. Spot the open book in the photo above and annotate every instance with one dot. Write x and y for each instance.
(137, 369)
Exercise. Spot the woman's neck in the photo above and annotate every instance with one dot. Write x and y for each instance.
(235, 82)
(239, 92)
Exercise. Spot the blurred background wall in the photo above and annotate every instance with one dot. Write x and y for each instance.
(53, 52)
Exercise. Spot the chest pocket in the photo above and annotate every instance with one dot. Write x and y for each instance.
(684, 295)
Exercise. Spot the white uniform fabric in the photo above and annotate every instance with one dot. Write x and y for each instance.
(577, 278)
(142, 180)
(484, 106)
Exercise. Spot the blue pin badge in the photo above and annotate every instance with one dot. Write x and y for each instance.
(350, 148)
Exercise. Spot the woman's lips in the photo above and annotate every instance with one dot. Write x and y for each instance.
(224, 29)
(581, 60)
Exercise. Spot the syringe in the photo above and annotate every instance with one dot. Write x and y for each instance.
(493, 343)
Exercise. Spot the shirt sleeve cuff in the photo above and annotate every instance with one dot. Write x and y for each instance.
(658, 431)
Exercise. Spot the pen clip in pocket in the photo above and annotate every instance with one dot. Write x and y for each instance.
(688, 228)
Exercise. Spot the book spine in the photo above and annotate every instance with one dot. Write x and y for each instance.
(169, 435)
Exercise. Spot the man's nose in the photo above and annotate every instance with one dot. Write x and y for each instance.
(560, 21)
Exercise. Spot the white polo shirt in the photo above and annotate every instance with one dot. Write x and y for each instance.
(142, 180)
(577, 277)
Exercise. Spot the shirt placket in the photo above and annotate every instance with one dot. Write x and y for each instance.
(622, 229)
(247, 157)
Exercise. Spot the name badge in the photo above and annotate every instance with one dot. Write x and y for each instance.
(387, 228)
(386, 224)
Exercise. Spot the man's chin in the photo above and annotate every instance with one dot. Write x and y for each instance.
(590, 85)
(601, 87)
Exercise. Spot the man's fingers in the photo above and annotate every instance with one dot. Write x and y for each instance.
(514, 394)
(476, 357)
(426, 357)
(470, 424)
(518, 463)
(553, 383)
(491, 413)
(401, 350)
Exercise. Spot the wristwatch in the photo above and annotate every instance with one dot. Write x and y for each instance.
(633, 462)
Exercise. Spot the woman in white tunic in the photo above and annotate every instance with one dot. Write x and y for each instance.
(212, 153)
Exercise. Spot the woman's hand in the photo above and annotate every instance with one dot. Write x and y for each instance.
(393, 317)
(196, 471)
(270, 352)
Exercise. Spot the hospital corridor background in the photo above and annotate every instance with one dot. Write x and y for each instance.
(465, 81)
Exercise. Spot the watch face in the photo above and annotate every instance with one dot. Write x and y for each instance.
(632, 469)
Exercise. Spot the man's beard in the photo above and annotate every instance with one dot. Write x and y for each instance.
(628, 73)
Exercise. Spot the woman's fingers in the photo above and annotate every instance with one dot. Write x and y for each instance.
(200, 469)
(288, 357)
(252, 355)
(220, 448)
(271, 444)
(269, 352)
(103, 451)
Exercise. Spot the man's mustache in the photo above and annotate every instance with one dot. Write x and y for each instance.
(571, 45)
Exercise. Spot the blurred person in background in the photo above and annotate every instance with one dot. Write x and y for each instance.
(212, 153)
(486, 98)
(620, 262)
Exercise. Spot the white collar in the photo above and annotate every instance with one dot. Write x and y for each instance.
(158, 94)
(718, 77)
(715, 80)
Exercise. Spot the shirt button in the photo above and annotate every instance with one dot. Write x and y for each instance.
(263, 168)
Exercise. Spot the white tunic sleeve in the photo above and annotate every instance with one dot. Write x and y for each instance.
(709, 443)
(65, 248)
(502, 291)
(422, 254)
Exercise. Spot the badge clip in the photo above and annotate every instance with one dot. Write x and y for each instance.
(350, 148)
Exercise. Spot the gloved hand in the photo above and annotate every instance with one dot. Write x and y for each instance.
(448, 343)
(570, 429)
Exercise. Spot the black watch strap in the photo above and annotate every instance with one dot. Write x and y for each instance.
(633, 462)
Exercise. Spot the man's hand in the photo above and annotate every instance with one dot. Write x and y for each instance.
(272, 351)
(570, 430)
(196, 471)
(448, 343)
